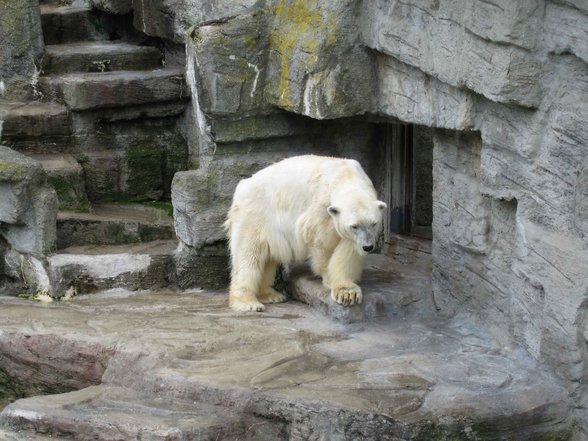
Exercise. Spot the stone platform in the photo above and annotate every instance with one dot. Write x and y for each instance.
(181, 365)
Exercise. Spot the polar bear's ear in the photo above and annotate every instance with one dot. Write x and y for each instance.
(333, 211)
(381, 205)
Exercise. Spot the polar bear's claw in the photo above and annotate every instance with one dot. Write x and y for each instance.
(270, 295)
(246, 306)
(347, 295)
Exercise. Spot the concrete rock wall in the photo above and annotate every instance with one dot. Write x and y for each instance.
(503, 84)
(506, 86)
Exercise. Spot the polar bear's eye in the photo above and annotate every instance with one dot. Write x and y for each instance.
(354, 227)
(374, 224)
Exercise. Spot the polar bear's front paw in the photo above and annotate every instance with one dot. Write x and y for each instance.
(347, 294)
(270, 295)
(246, 304)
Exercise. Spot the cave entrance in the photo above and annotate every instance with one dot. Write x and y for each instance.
(408, 179)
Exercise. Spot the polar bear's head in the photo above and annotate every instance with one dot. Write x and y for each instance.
(359, 219)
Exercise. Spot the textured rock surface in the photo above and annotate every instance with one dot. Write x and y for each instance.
(502, 83)
(113, 224)
(65, 174)
(22, 46)
(171, 18)
(509, 78)
(296, 374)
(90, 268)
(28, 206)
(397, 286)
(28, 210)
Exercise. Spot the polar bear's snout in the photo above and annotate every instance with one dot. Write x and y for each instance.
(365, 238)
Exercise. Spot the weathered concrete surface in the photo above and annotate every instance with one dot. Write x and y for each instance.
(86, 91)
(509, 78)
(398, 285)
(90, 268)
(22, 46)
(78, 22)
(28, 210)
(296, 374)
(171, 19)
(35, 126)
(113, 224)
(66, 176)
(101, 56)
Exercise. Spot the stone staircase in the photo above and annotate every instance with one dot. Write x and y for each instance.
(105, 128)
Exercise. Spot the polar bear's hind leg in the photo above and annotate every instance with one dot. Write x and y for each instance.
(268, 293)
(247, 275)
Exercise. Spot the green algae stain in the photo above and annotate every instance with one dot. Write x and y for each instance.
(298, 22)
(304, 32)
(12, 172)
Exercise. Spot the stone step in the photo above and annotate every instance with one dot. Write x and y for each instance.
(103, 413)
(113, 224)
(67, 24)
(84, 91)
(138, 172)
(99, 56)
(33, 119)
(67, 177)
(90, 268)
(56, 2)
(34, 126)
(391, 288)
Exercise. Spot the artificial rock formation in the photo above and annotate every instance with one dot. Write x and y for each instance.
(501, 85)
(504, 84)
(28, 212)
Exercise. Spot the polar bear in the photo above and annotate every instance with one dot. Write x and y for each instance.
(306, 207)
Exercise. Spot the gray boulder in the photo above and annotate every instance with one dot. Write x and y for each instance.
(28, 214)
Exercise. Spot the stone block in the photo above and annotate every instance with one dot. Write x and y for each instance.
(275, 125)
(93, 268)
(565, 27)
(100, 56)
(229, 59)
(78, 22)
(102, 170)
(431, 39)
(22, 46)
(205, 267)
(28, 211)
(515, 22)
(65, 174)
(113, 6)
(32, 120)
(171, 19)
(87, 91)
(29, 205)
(28, 269)
(408, 94)
(201, 198)
(114, 224)
(10, 204)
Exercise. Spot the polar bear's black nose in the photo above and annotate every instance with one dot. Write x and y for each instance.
(368, 247)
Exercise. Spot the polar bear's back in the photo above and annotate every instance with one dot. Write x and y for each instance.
(302, 174)
(275, 198)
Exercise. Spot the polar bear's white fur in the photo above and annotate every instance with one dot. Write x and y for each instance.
(303, 207)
